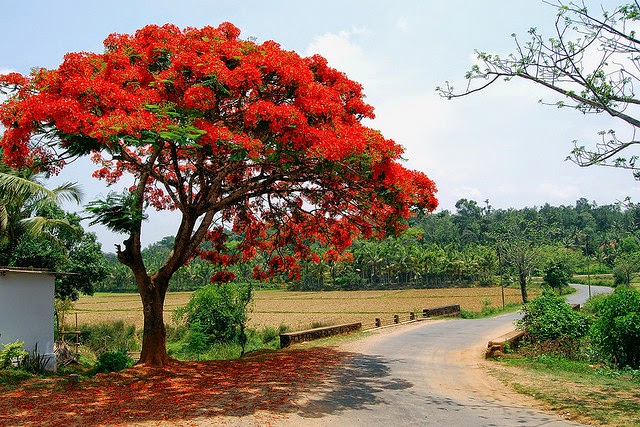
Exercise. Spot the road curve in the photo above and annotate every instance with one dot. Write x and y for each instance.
(427, 373)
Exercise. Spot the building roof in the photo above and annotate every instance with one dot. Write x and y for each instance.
(4, 270)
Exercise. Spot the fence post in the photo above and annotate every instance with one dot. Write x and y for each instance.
(396, 319)
(412, 316)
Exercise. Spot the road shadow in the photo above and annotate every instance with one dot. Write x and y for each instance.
(357, 384)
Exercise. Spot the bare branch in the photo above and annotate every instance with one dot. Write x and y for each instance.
(590, 61)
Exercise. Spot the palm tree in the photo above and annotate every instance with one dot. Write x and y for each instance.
(23, 197)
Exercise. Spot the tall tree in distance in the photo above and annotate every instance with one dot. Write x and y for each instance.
(592, 62)
(232, 134)
(518, 241)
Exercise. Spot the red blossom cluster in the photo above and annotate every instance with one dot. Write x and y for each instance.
(223, 276)
(228, 131)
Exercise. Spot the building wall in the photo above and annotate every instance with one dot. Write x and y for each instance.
(26, 310)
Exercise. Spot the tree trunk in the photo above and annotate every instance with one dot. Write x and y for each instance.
(523, 287)
(154, 346)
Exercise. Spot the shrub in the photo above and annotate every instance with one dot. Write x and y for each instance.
(12, 353)
(626, 268)
(112, 362)
(221, 310)
(176, 332)
(35, 362)
(349, 281)
(110, 337)
(196, 338)
(318, 324)
(567, 348)
(269, 333)
(616, 329)
(556, 275)
(548, 317)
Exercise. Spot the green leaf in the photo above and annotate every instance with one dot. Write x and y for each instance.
(239, 155)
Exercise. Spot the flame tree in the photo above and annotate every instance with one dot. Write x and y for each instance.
(232, 134)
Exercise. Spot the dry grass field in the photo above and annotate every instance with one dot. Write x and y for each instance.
(299, 310)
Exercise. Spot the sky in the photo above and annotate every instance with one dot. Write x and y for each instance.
(500, 145)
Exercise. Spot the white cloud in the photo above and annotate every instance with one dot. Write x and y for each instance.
(344, 54)
(410, 117)
(471, 193)
(506, 190)
(556, 191)
(355, 30)
(403, 24)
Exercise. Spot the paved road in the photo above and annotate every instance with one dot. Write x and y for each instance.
(583, 291)
(426, 374)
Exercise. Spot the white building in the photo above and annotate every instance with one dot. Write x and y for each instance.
(26, 310)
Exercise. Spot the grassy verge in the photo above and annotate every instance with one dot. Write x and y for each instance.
(583, 392)
(593, 280)
(489, 311)
(183, 347)
(333, 341)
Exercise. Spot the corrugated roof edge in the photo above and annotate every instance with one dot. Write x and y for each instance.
(4, 270)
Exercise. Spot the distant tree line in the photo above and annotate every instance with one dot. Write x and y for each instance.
(476, 244)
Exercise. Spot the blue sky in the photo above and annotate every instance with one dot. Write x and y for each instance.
(500, 144)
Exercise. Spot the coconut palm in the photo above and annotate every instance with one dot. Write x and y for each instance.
(22, 199)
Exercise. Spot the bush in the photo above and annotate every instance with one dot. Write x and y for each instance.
(176, 332)
(191, 343)
(12, 353)
(626, 268)
(618, 277)
(270, 334)
(317, 324)
(567, 348)
(35, 362)
(220, 310)
(556, 275)
(108, 337)
(616, 329)
(549, 317)
(196, 338)
(349, 281)
(112, 362)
